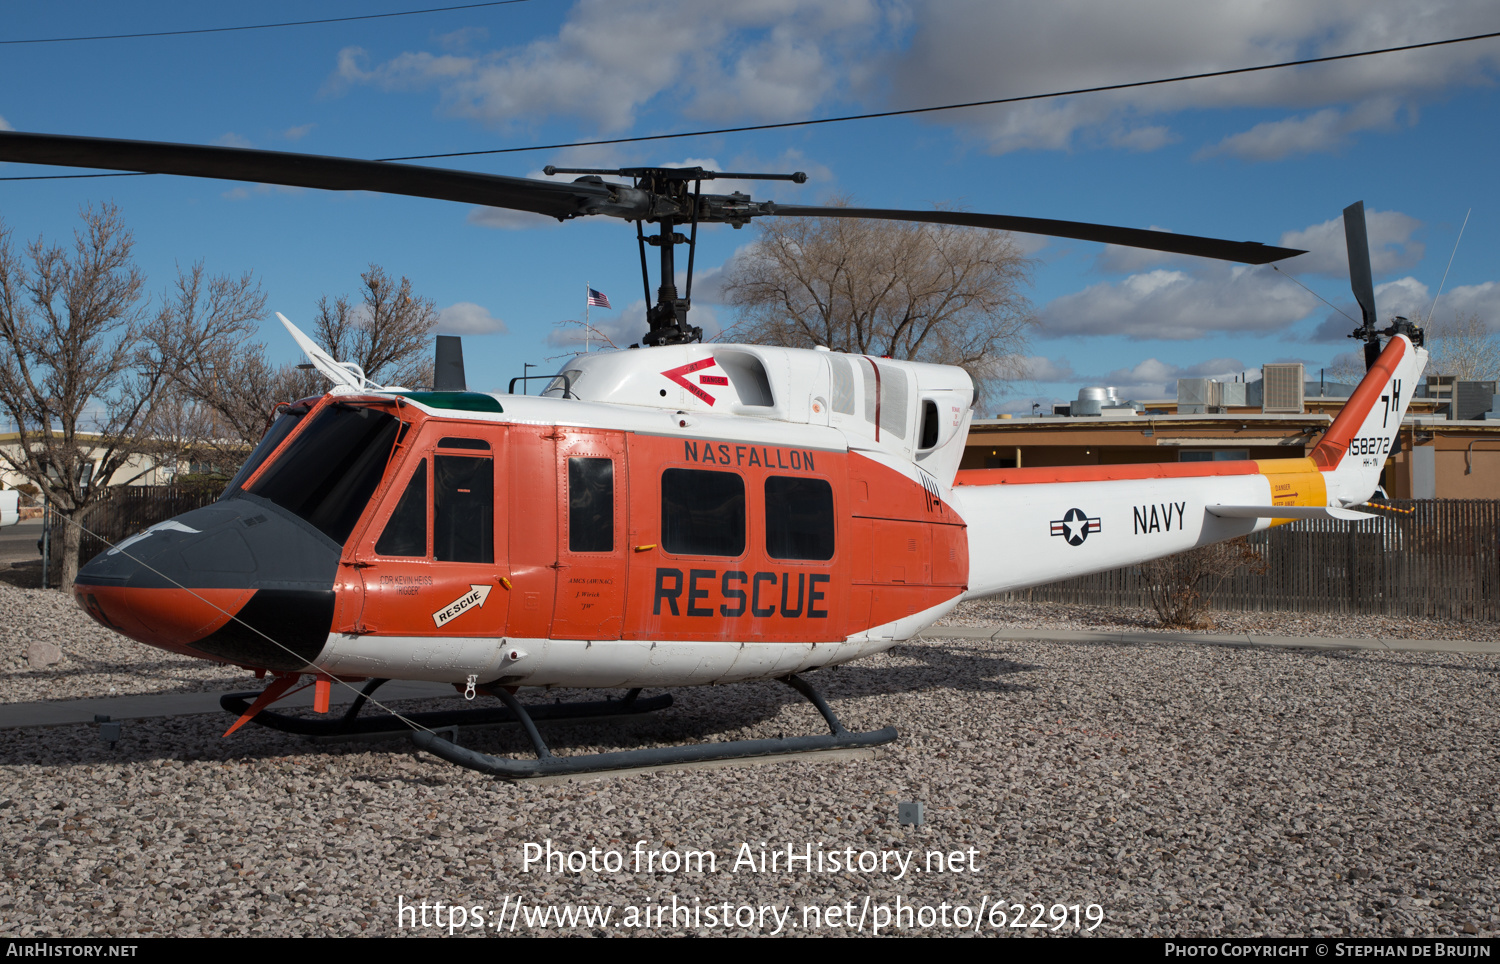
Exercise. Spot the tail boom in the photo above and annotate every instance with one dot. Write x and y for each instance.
(1028, 527)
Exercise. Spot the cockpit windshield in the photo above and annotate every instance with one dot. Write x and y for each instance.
(328, 472)
(289, 419)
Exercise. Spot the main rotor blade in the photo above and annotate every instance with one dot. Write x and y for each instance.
(1249, 252)
(559, 200)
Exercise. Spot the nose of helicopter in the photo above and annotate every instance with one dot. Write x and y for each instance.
(240, 581)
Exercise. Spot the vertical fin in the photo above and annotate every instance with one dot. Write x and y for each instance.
(1353, 451)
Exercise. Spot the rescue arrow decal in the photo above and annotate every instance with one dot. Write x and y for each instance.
(472, 599)
(681, 372)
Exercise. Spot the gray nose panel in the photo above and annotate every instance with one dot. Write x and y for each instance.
(221, 551)
(239, 543)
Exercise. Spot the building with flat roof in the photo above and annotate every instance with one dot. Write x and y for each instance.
(1439, 457)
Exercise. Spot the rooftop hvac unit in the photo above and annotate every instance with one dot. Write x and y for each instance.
(1197, 396)
(1472, 399)
(1282, 389)
(1439, 386)
(1233, 393)
(1090, 401)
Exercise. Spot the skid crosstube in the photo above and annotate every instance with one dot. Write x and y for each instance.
(351, 724)
(548, 765)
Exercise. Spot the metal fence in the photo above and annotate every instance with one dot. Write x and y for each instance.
(1442, 560)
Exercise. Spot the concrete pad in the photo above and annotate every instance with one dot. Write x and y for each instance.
(1385, 644)
(147, 705)
(143, 706)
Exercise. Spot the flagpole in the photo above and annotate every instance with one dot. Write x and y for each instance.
(586, 290)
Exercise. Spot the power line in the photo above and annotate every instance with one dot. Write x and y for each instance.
(889, 113)
(259, 26)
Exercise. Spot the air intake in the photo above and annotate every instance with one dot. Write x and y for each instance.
(1283, 389)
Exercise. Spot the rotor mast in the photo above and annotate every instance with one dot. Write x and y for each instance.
(676, 195)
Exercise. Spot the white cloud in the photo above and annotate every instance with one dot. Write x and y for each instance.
(231, 139)
(1410, 298)
(1390, 237)
(1147, 138)
(405, 72)
(246, 191)
(1148, 379)
(622, 329)
(760, 59)
(467, 318)
(5, 125)
(1156, 379)
(613, 62)
(1036, 368)
(628, 325)
(463, 38)
(507, 220)
(1482, 300)
(1175, 305)
(298, 132)
(1121, 259)
(964, 50)
(708, 283)
(1023, 406)
(1323, 132)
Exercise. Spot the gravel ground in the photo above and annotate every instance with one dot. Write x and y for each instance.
(95, 662)
(1185, 790)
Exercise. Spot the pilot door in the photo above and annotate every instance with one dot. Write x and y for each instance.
(433, 556)
(591, 550)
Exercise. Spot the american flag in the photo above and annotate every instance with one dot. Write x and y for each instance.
(597, 299)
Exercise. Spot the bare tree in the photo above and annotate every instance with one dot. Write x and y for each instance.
(1464, 346)
(219, 377)
(388, 334)
(923, 292)
(205, 328)
(71, 376)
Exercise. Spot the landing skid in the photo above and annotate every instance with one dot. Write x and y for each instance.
(352, 725)
(547, 765)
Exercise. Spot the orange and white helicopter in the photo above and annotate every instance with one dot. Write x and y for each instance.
(676, 515)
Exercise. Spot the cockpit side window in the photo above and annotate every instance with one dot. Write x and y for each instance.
(406, 532)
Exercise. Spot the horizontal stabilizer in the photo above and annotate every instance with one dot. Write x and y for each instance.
(1287, 512)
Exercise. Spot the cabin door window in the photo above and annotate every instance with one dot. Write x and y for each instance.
(591, 564)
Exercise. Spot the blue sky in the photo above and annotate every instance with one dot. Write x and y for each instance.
(1270, 157)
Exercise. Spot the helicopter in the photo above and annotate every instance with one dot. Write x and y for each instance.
(678, 514)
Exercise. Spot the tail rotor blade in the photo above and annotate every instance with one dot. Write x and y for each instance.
(1360, 279)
